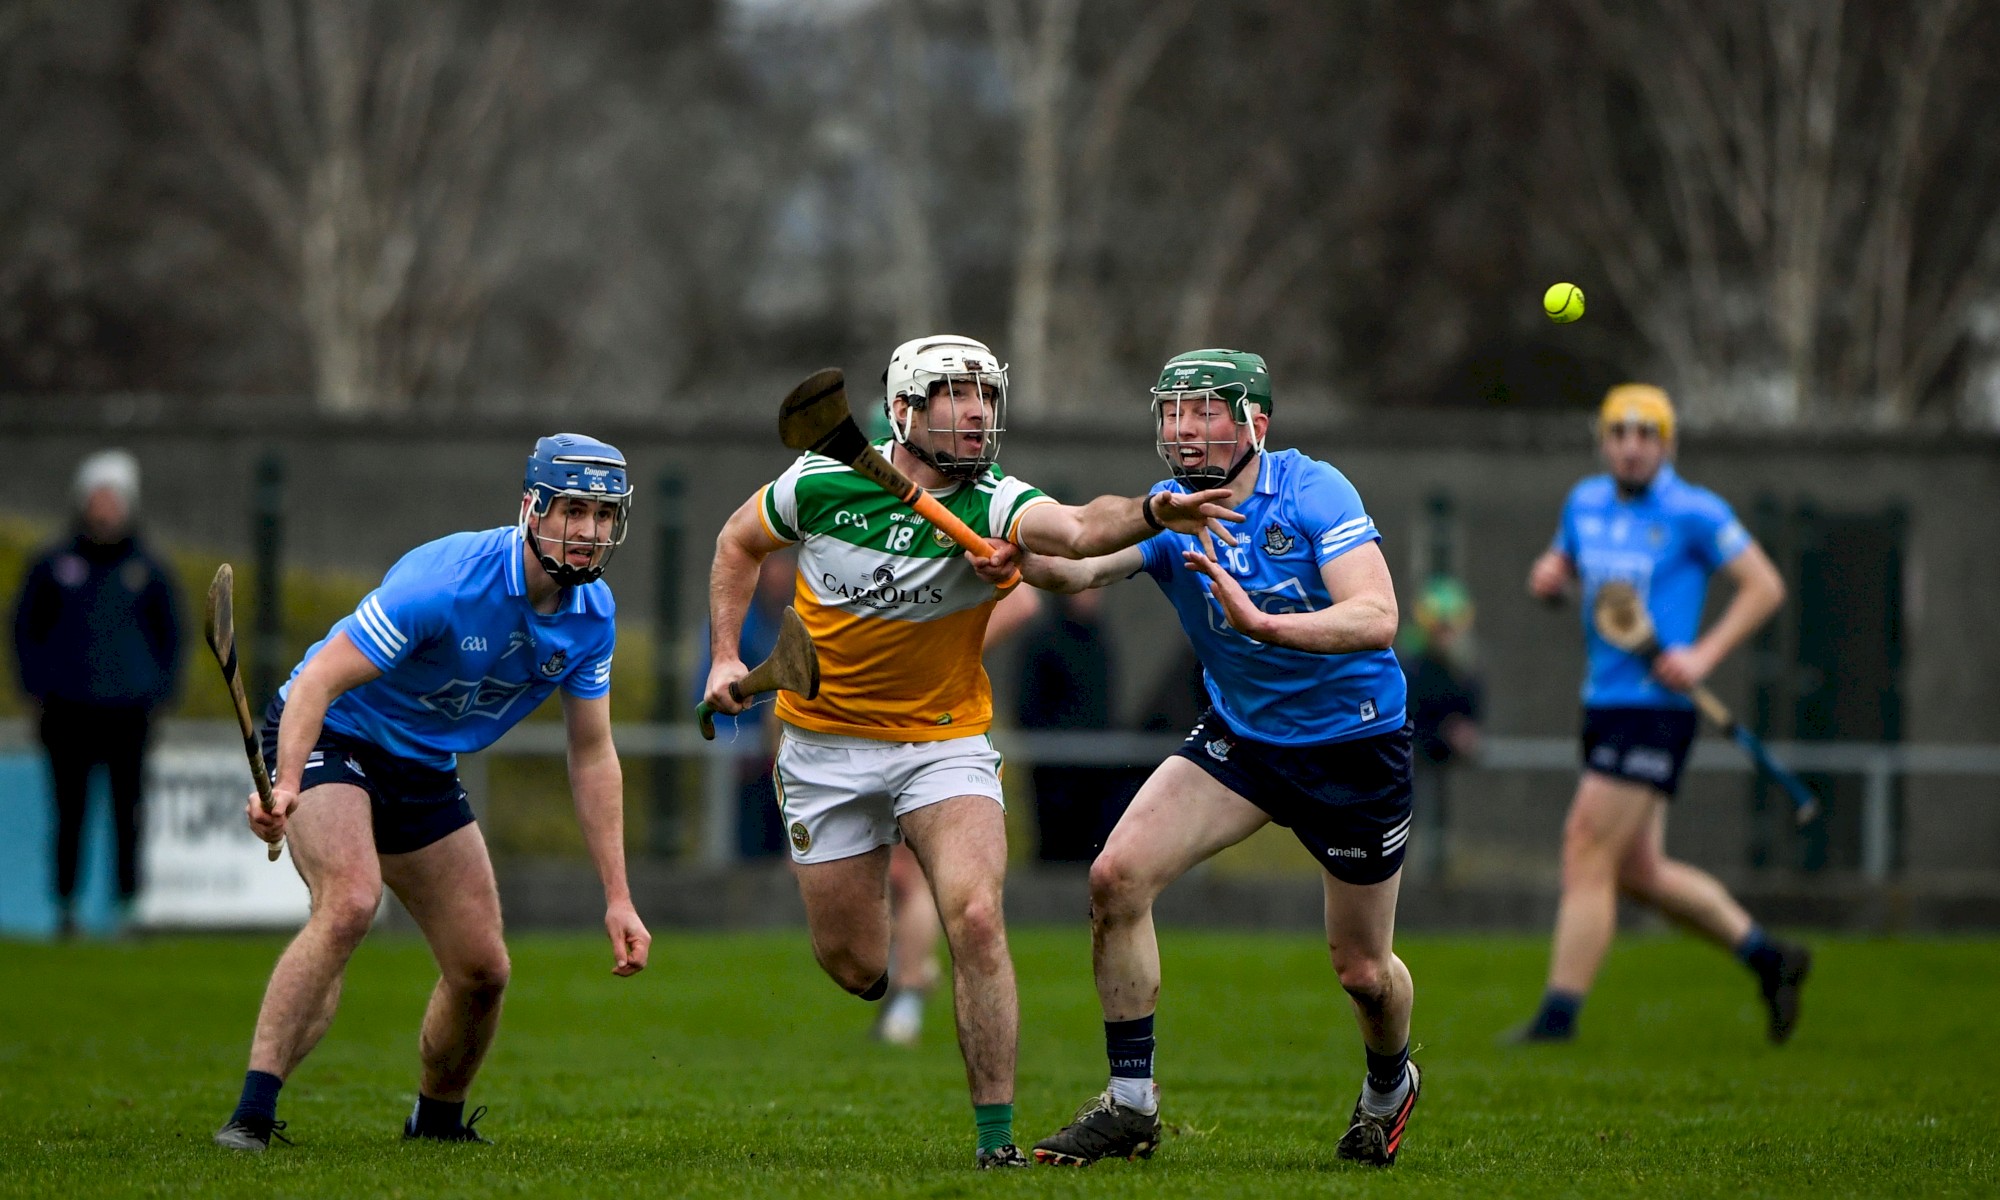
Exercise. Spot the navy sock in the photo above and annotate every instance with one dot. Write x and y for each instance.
(260, 1097)
(1385, 1071)
(1558, 1012)
(1758, 952)
(440, 1116)
(876, 990)
(1129, 1045)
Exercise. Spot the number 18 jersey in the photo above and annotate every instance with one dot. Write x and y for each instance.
(895, 610)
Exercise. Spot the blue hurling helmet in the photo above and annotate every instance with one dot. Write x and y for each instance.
(570, 464)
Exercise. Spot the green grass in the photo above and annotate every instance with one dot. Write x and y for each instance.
(732, 1067)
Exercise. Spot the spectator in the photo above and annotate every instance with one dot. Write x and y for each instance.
(97, 644)
(1066, 685)
(1444, 708)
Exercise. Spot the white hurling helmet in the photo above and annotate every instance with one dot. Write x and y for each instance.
(920, 371)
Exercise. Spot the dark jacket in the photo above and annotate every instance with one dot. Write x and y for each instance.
(99, 625)
(1066, 678)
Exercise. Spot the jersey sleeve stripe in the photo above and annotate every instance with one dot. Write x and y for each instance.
(767, 512)
(382, 645)
(374, 604)
(1014, 523)
(386, 641)
(1340, 531)
(1334, 548)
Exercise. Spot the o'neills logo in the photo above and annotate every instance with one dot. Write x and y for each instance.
(881, 592)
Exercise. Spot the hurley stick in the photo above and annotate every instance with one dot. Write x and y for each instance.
(815, 417)
(792, 667)
(220, 627)
(1625, 623)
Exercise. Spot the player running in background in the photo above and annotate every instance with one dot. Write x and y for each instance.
(1293, 624)
(895, 746)
(465, 636)
(1644, 525)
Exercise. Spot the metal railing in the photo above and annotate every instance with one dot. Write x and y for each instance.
(1878, 764)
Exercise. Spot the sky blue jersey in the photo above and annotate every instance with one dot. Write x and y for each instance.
(1665, 542)
(463, 655)
(1302, 514)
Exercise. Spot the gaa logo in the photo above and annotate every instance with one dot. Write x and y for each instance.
(883, 577)
(802, 838)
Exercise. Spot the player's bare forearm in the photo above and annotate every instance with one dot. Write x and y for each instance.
(1069, 576)
(1349, 627)
(1109, 524)
(597, 783)
(1760, 592)
(740, 548)
(338, 668)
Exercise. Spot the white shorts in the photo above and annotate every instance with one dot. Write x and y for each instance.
(842, 796)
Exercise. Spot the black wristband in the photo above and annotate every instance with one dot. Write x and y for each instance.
(1146, 511)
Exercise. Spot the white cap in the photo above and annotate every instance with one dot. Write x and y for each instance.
(114, 469)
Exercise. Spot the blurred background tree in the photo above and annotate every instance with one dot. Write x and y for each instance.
(1786, 212)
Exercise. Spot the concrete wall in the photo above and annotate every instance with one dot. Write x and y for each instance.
(359, 496)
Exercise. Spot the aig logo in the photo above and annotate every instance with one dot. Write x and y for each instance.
(473, 643)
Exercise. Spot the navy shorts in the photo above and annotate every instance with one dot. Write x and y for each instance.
(1639, 745)
(1347, 802)
(412, 805)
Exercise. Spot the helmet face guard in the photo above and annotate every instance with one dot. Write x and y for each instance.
(1232, 377)
(572, 466)
(962, 391)
(1219, 461)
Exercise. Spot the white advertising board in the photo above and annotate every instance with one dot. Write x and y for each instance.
(202, 867)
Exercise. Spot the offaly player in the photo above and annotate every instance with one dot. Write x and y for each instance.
(1644, 525)
(895, 746)
(465, 636)
(1305, 727)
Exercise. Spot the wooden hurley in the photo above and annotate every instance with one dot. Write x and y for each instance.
(219, 626)
(1624, 622)
(815, 417)
(792, 667)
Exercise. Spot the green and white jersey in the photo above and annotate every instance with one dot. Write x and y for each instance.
(896, 611)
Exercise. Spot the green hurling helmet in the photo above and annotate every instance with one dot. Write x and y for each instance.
(1236, 376)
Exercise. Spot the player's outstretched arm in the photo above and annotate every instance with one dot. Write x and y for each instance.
(1362, 616)
(740, 548)
(598, 785)
(1071, 575)
(1111, 523)
(1760, 590)
(338, 668)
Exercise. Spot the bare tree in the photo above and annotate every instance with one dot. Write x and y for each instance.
(1784, 220)
(1036, 47)
(1071, 124)
(365, 139)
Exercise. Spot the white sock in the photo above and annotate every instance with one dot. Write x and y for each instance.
(1138, 1095)
(1384, 1104)
(907, 1006)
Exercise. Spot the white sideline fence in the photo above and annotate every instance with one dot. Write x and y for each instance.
(1878, 764)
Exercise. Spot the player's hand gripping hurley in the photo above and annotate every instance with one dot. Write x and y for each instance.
(1623, 621)
(815, 417)
(219, 625)
(792, 667)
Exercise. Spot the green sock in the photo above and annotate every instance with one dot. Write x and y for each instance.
(996, 1125)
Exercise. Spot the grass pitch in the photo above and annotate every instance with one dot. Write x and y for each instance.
(731, 1068)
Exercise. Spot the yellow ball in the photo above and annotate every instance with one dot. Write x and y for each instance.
(1563, 302)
